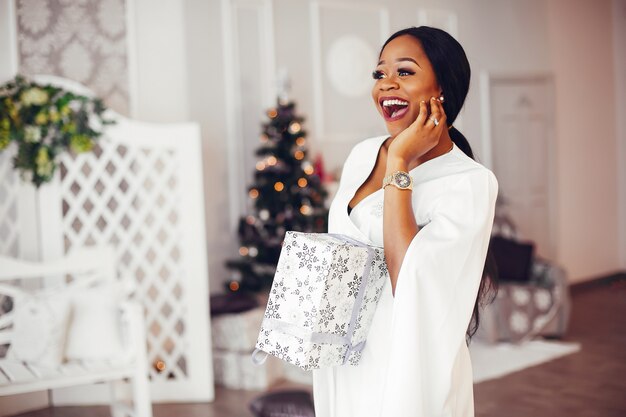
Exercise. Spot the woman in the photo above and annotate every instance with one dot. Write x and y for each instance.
(435, 234)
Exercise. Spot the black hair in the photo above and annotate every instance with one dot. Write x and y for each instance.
(452, 69)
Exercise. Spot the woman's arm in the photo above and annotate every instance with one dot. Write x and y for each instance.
(399, 225)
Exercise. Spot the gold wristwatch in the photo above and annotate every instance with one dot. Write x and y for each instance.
(399, 179)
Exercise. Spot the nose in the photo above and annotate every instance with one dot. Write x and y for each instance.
(388, 83)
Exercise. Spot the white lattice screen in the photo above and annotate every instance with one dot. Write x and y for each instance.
(129, 197)
(9, 189)
(141, 191)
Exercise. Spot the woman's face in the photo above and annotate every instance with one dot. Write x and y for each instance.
(403, 78)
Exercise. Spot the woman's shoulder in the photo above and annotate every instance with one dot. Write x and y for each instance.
(469, 180)
(474, 169)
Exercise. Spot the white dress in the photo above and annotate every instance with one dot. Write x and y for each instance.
(416, 362)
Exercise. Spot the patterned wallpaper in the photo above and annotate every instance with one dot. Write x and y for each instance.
(83, 40)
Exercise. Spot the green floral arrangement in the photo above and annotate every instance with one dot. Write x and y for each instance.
(45, 121)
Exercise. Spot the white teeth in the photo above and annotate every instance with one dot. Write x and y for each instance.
(395, 102)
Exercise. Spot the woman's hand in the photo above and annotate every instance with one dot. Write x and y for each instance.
(420, 137)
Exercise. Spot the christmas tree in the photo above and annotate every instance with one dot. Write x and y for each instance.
(286, 195)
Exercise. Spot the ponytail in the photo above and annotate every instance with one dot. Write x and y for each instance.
(460, 141)
(488, 288)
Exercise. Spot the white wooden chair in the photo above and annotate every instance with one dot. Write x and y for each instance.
(88, 267)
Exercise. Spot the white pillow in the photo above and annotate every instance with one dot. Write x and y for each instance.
(40, 328)
(95, 326)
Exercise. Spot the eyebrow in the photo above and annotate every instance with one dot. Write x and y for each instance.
(402, 59)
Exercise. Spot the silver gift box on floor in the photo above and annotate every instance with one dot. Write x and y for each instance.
(237, 332)
(322, 300)
(235, 370)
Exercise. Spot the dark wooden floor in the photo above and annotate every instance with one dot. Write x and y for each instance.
(590, 383)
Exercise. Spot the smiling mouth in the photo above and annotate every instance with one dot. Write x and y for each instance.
(394, 108)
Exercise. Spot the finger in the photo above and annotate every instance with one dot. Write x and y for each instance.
(435, 114)
(423, 114)
(441, 113)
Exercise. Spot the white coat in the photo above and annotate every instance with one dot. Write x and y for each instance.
(416, 362)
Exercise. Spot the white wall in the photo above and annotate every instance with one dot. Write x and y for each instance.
(8, 41)
(582, 59)
(207, 91)
(176, 53)
(158, 47)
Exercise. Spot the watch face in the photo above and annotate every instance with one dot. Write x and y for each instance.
(403, 180)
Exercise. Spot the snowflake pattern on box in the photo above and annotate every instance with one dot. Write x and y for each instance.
(83, 40)
(322, 300)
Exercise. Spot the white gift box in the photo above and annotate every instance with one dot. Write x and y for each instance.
(237, 332)
(322, 300)
(235, 370)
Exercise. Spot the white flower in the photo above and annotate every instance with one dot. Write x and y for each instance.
(75, 105)
(95, 124)
(27, 176)
(35, 96)
(32, 134)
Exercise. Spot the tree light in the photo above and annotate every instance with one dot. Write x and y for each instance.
(294, 127)
(159, 365)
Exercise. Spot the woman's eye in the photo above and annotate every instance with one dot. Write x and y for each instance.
(377, 75)
(405, 72)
